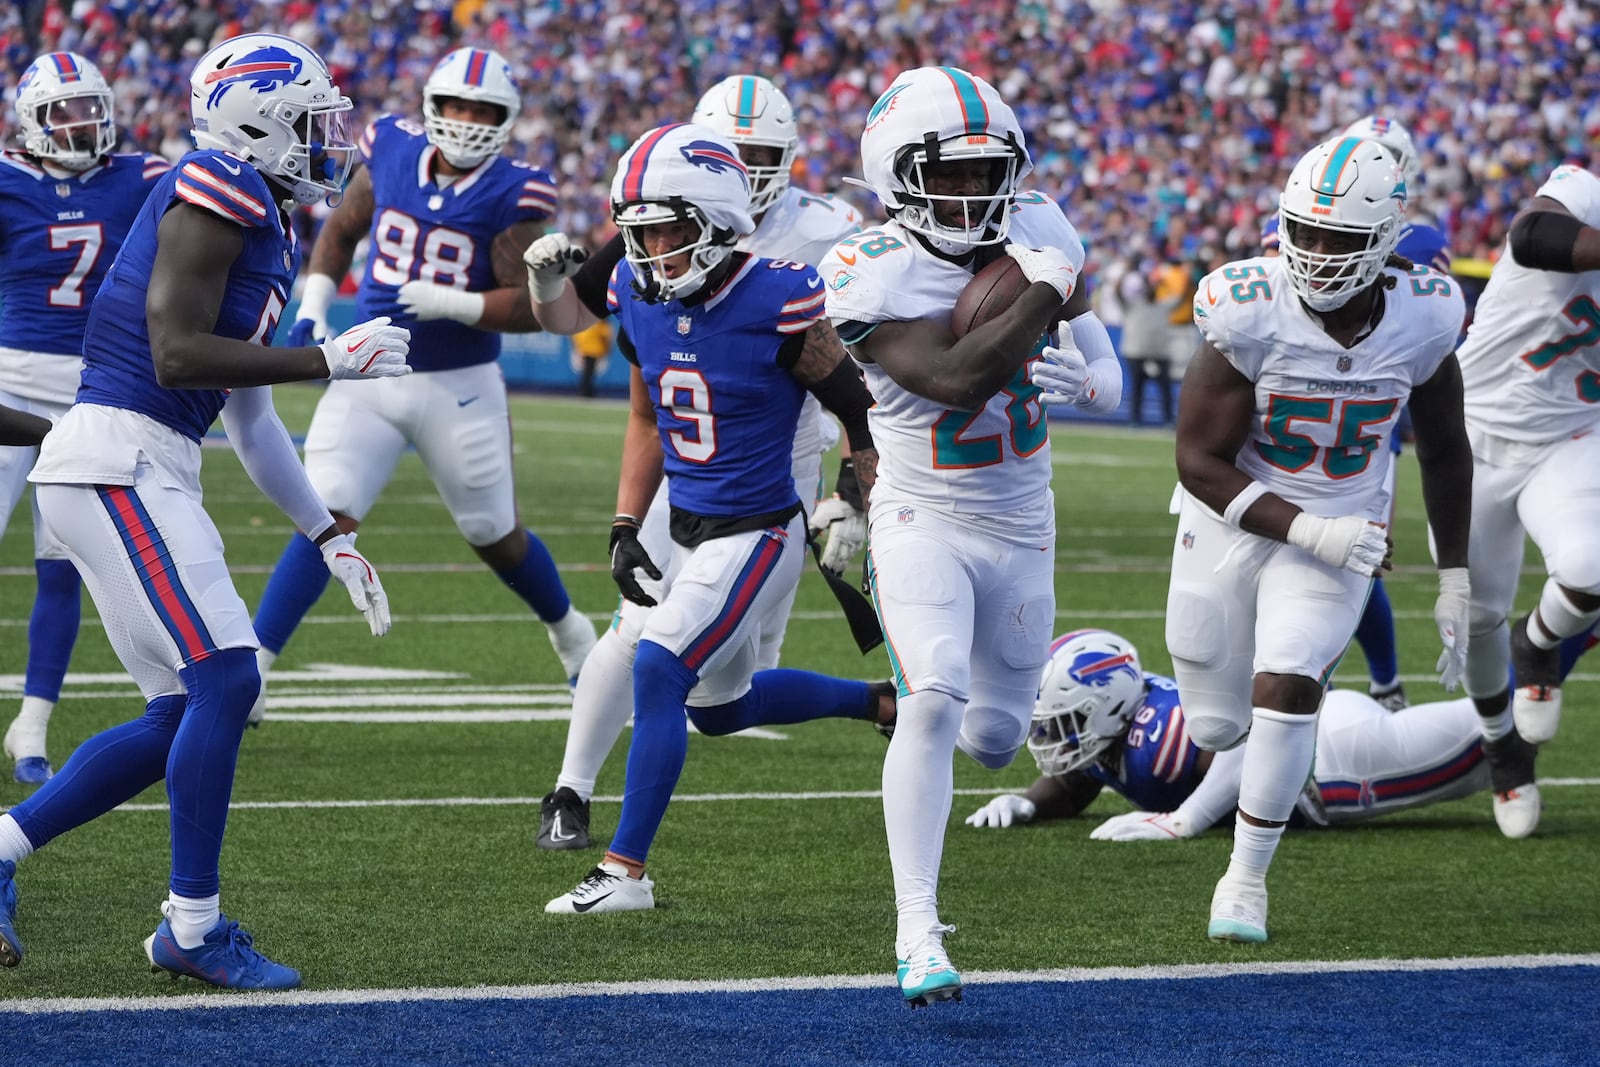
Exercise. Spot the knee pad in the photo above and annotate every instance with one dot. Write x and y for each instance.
(1577, 568)
(1197, 626)
(480, 530)
(1215, 733)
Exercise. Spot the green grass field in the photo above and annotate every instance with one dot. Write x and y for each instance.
(449, 890)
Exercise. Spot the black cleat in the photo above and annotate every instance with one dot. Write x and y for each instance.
(563, 821)
(1391, 698)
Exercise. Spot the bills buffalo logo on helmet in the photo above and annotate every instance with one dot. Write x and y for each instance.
(715, 158)
(264, 69)
(1095, 668)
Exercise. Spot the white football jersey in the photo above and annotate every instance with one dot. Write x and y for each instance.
(1325, 411)
(1531, 361)
(801, 227)
(994, 462)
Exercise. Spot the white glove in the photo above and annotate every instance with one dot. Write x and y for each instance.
(847, 532)
(1143, 826)
(1349, 541)
(430, 300)
(1048, 265)
(373, 349)
(551, 260)
(316, 297)
(1002, 811)
(1450, 612)
(1062, 373)
(360, 580)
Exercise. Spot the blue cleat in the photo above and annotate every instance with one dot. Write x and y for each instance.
(228, 959)
(10, 947)
(32, 770)
(926, 974)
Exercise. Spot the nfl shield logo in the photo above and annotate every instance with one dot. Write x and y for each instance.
(684, 322)
(435, 203)
(1188, 539)
(906, 515)
(1344, 363)
(63, 190)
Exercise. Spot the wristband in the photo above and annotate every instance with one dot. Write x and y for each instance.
(1233, 514)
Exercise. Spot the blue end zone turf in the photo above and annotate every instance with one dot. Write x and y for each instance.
(1527, 1016)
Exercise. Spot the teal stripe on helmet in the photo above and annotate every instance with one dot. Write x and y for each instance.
(1328, 183)
(747, 98)
(973, 110)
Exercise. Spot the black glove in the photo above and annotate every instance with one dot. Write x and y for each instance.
(846, 487)
(627, 554)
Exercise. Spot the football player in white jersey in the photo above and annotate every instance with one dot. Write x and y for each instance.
(1531, 369)
(791, 224)
(1306, 362)
(961, 542)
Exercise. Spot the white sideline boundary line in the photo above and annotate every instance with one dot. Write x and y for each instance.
(687, 798)
(669, 987)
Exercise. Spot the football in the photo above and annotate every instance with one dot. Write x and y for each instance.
(992, 290)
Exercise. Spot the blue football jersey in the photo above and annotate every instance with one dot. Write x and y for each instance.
(1425, 245)
(725, 409)
(1155, 765)
(439, 233)
(58, 237)
(118, 370)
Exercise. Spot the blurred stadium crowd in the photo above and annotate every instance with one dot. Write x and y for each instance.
(1166, 127)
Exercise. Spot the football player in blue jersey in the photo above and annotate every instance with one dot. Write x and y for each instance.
(449, 218)
(791, 224)
(66, 202)
(725, 346)
(177, 335)
(1103, 723)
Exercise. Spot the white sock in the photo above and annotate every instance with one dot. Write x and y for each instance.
(265, 658)
(572, 636)
(14, 844)
(1277, 763)
(26, 735)
(1557, 617)
(192, 918)
(601, 707)
(1253, 847)
(918, 786)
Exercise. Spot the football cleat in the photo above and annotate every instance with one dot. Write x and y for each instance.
(1239, 910)
(563, 821)
(606, 888)
(1390, 697)
(26, 747)
(227, 958)
(925, 973)
(572, 636)
(32, 770)
(1536, 702)
(1516, 798)
(10, 947)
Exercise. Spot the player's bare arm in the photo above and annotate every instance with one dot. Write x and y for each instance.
(508, 308)
(825, 369)
(195, 251)
(21, 428)
(924, 357)
(1546, 236)
(1445, 458)
(1214, 416)
(641, 451)
(1062, 796)
(335, 248)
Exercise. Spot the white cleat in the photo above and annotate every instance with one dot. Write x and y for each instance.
(1239, 910)
(606, 888)
(1517, 811)
(1536, 710)
(925, 973)
(572, 636)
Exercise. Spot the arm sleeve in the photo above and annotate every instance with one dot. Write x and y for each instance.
(263, 446)
(845, 394)
(1218, 792)
(1105, 369)
(594, 277)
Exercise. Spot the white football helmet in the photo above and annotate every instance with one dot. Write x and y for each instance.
(62, 92)
(1091, 689)
(942, 114)
(1393, 136)
(270, 100)
(748, 110)
(470, 74)
(1347, 186)
(676, 173)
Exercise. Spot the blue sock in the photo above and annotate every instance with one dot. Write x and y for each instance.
(222, 687)
(53, 627)
(110, 768)
(660, 743)
(1575, 646)
(1375, 632)
(536, 581)
(784, 696)
(296, 583)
